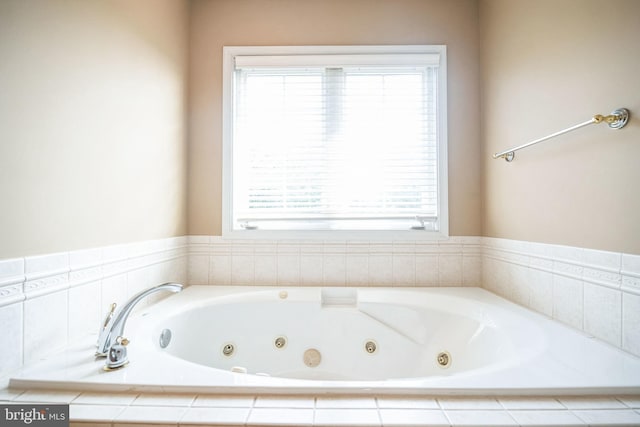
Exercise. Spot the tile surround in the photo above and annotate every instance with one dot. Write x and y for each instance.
(48, 301)
(596, 292)
(571, 285)
(568, 284)
(216, 261)
(120, 410)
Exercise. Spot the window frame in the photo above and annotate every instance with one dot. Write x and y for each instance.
(229, 55)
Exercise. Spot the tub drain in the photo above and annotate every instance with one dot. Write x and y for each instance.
(444, 359)
(165, 338)
(228, 349)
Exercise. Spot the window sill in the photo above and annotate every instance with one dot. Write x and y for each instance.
(317, 235)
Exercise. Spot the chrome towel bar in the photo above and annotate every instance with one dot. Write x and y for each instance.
(616, 120)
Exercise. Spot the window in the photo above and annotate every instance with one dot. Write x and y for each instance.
(347, 140)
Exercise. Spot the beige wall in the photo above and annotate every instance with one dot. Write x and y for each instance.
(92, 123)
(216, 23)
(546, 65)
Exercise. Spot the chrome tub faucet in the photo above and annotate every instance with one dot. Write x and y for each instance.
(111, 341)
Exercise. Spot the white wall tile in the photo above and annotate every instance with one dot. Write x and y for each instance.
(380, 269)
(542, 259)
(113, 289)
(174, 270)
(334, 269)
(12, 278)
(630, 269)
(138, 280)
(471, 270)
(11, 337)
(450, 269)
(219, 270)
(541, 283)
(266, 269)
(44, 282)
(404, 269)
(631, 283)
(568, 300)
(36, 265)
(520, 283)
(427, 269)
(114, 253)
(603, 313)
(630, 264)
(572, 270)
(311, 269)
(11, 268)
(602, 277)
(586, 284)
(242, 269)
(357, 269)
(631, 323)
(12, 293)
(85, 258)
(288, 269)
(602, 267)
(198, 269)
(490, 267)
(84, 310)
(609, 260)
(67, 294)
(45, 325)
(570, 254)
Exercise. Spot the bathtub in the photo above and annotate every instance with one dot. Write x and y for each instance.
(344, 340)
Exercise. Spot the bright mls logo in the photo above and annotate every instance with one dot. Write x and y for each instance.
(35, 415)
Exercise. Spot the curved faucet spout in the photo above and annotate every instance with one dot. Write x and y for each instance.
(114, 326)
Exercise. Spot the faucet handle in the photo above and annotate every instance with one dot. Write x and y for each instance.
(109, 315)
(117, 355)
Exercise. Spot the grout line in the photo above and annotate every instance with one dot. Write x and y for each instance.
(315, 406)
(253, 404)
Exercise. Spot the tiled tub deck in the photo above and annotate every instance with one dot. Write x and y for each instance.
(148, 409)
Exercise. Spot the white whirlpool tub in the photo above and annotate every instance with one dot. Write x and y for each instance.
(345, 340)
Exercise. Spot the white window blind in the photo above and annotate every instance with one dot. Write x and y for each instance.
(335, 142)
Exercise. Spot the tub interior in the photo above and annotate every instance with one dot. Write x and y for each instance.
(366, 340)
